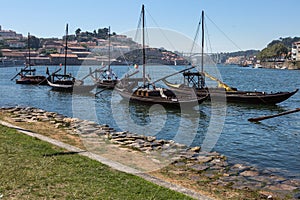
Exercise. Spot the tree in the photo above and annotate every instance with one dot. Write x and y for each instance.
(77, 32)
(34, 42)
(276, 50)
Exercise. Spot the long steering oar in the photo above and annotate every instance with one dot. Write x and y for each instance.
(271, 116)
(19, 72)
(15, 76)
(172, 74)
(100, 91)
(93, 72)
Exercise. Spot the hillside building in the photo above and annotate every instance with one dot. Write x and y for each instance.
(296, 51)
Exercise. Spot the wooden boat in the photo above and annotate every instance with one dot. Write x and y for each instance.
(27, 74)
(66, 82)
(148, 93)
(106, 78)
(196, 81)
(232, 94)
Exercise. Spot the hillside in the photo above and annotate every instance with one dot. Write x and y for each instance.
(153, 56)
(278, 49)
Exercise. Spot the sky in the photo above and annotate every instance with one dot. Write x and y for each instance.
(231, 25)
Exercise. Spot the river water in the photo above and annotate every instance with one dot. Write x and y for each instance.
(272, 144)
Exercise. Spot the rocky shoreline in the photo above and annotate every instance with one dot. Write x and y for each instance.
(147, 153)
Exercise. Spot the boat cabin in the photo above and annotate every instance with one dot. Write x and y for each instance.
(194, 79)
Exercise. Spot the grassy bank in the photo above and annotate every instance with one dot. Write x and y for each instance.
(33, 169)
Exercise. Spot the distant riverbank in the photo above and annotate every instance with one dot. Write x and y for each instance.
(292, 65)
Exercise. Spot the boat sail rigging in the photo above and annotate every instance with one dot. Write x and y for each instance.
(66, 82)
(196, 81)
(27, 74)
(148, 92)
(107, 78)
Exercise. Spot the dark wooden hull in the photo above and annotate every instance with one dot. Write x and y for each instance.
(245, 97)
(175, 102)
(249, 97)
(108, 84)
(32, 80)
(70, 86)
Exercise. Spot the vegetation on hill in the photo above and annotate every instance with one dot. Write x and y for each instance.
(153, 56)
(278, 49)
(101, 33)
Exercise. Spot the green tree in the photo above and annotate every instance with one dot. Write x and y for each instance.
(77, 32)
(34, 42)
(276, 50)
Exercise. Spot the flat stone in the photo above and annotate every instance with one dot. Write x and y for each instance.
(179, 164)
(246, 185)
(18, 119)
(198, 167)
(240, 167)
(281, 187)
(128, 142)
(249, 173)
(151, 138)
(195, 149)
(134, 136)
(119, 140)
(155, 144)
(263, 179)
(58, 125)
(39, 111)
(293, 182)
(210, 174)
(26, 116)
(204, 159)
(180, 146)
(277, 178)
(136, 145)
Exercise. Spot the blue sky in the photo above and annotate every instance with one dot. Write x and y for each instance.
(250, 24)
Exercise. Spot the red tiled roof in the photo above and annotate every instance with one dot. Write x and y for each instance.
(63, 55)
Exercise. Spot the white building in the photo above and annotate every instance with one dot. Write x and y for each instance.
(296, 51)
(9, 34)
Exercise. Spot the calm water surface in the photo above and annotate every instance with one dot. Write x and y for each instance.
(271, 144)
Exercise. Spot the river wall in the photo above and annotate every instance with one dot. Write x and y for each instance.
(292, 65)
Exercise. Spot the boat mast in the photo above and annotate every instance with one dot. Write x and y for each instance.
(29, 61)
(66, 49)
(202, 53)
(109, 51)
(143, 39)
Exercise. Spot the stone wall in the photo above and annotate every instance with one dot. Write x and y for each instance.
(293, 65)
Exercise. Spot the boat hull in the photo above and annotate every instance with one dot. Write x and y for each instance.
(108, 84)
(69, 86)
(32, 80)
(245, 97)
(175, 102)
(249, 97)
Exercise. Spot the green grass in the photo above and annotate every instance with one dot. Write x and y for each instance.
(26, 172)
